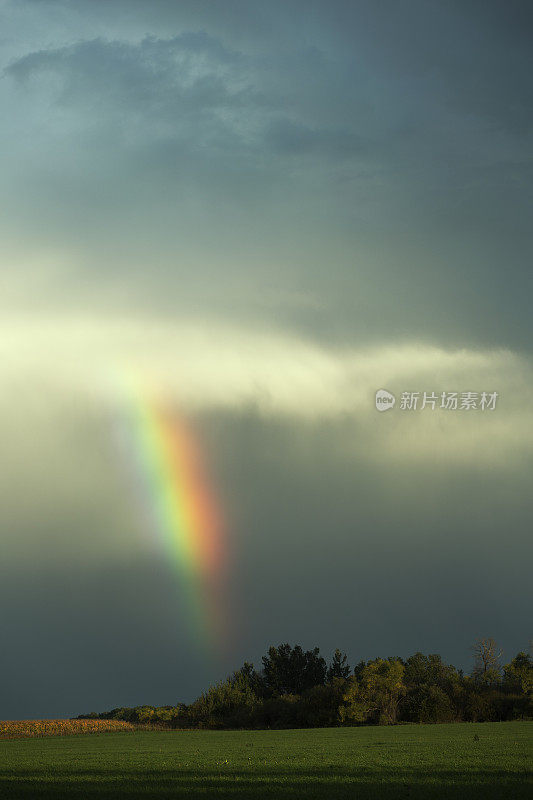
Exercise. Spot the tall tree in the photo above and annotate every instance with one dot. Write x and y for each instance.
(487, 657)
(374, 696)
(339, 667)
(248, 679)
(519, 674)
(290, 670)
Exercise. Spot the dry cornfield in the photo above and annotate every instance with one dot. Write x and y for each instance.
(17, 729)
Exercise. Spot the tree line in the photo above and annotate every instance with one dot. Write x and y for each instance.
(297, 688)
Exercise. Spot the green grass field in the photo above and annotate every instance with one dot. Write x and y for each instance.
(486, 760)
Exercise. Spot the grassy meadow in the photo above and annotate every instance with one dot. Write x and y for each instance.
(468, 760)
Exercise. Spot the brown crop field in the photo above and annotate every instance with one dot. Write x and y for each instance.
(19, 729)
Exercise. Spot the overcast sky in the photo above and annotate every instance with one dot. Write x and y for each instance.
(272, 210)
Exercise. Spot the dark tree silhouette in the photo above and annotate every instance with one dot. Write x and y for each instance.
(339, 667)
(290, 670)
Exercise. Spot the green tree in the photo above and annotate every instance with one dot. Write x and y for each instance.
(518, 674)
(355, 707)
(291, 670)
(144, 714)
(248, 679)
(433, 690)
(319, 706)
(339, 667)
(232, 703)
(430, 669)
(280, 711)
(518, 682)
(375, 695)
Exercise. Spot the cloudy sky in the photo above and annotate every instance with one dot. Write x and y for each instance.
(269, 211)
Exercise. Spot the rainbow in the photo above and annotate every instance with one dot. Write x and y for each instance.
(182, 507)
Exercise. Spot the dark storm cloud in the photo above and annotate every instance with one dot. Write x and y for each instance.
(291, 138)
(142, 73)
(474, 54)
(326, 548)
(186, 82)
(477, 52)
(320, 179)
(80, 638)
(384, 552)
(389, 146)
